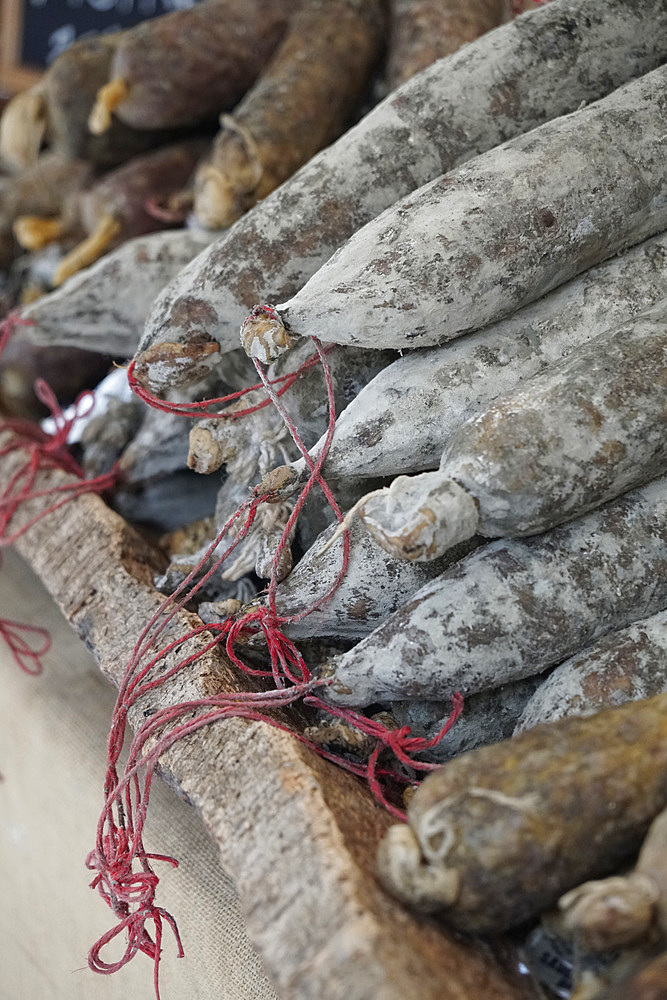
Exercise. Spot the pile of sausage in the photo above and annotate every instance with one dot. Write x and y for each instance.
(483, 256)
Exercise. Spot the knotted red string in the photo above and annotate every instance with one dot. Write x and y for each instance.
(199, 409)
(42, 452)
(125, 877)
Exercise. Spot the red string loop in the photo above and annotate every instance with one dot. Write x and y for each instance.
(44, 452)
(28, 656)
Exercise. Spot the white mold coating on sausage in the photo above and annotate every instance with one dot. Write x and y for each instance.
(403, 419)
(516, 606)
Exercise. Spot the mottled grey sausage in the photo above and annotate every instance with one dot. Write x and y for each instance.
(103, 308)
(498, 232)
(374, 585)
(401, 421)
(624, 666)
(516, 607)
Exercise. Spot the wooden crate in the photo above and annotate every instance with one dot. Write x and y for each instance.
(297, 834)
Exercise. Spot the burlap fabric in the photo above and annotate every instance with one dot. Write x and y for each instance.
(52, 743)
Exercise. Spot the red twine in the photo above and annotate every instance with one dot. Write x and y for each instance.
(42, 452)
(29, 658)
(199, 409)
(28, 655)
(125, 877)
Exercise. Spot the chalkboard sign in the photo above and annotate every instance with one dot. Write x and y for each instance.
(34, 32)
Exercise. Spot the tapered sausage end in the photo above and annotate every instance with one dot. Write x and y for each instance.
(420, 517)
(282, 482)
(22, 128)
(170, 365)
(33, 232)
(205, 455)
(264, 335)
(108, 98)
(406, 873)
(223, 196)
(610, 913)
